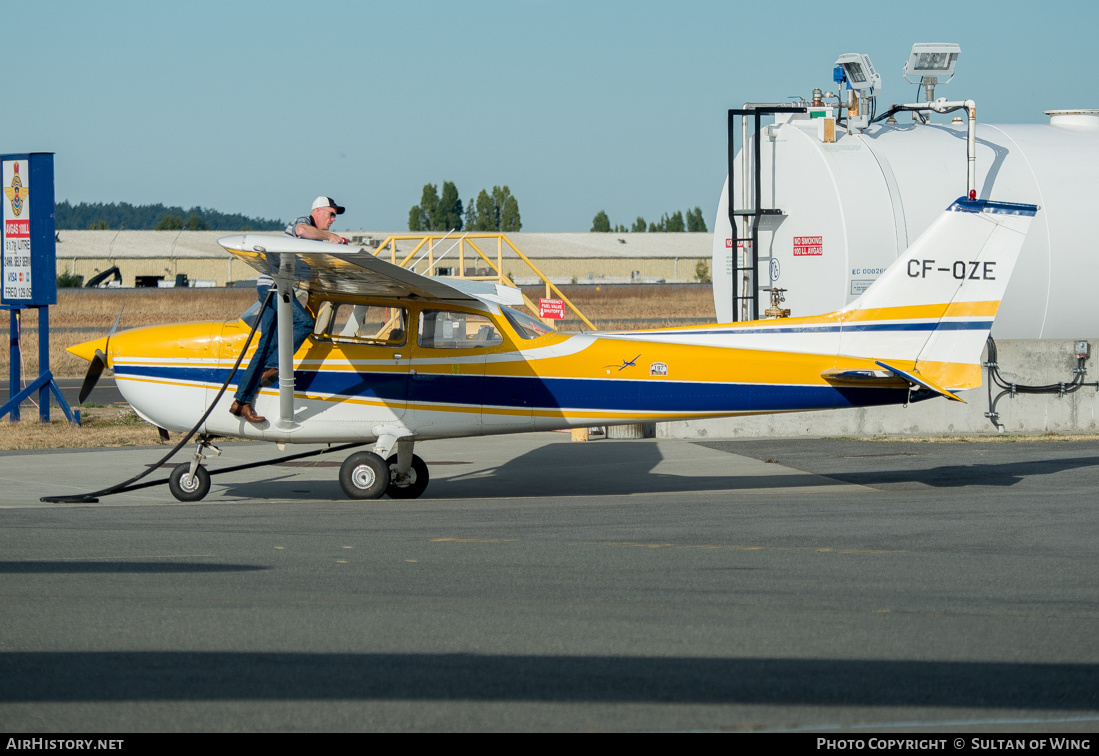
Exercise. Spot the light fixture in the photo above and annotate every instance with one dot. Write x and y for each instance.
(933, 63)
(932, 59)
(860, 72)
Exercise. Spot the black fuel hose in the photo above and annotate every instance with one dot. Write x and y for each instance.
(128, 485)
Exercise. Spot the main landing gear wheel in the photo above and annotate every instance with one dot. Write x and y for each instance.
(364, 475)
(187, 487)
(414, 484)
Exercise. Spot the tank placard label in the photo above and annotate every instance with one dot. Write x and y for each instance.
(858, 286)
(808, 246)
(741, 245)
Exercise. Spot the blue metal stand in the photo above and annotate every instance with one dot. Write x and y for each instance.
(45, 382)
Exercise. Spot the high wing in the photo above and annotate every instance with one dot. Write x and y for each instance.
(323, 266)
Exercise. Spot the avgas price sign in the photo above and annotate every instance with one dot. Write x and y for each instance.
(17, 231)
(29, 271)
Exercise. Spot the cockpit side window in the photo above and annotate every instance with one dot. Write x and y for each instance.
(450, 329)
(347, 322)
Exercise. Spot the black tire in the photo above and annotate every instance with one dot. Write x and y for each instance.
(364, 475)
(416, 484)
(187, 488)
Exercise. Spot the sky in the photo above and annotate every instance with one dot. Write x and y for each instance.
(258, 107)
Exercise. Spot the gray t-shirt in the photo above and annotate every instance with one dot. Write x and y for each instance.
(266, 280)
(305, 219)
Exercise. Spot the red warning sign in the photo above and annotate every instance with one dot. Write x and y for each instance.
(808, 246)
(551, 308)
(17, 229)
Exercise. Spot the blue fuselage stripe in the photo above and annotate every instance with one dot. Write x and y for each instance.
(535, 393)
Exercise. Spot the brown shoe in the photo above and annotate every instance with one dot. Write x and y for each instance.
(269, 378)
(245, 410)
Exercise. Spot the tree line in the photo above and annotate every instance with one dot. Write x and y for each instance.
(675, 222)
(100, 216)
(489, 212)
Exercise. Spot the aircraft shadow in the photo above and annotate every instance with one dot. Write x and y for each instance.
(106, 567)
(194, 676)
(912, 463)
(604, 468)
(608, 468)
(959, 476)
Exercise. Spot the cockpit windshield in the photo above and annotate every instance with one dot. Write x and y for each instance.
(525, 325)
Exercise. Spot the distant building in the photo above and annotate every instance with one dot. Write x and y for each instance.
(564, 257)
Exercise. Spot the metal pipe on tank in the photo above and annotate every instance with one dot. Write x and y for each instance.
(971, 148)
(765, 105)
(942, 105)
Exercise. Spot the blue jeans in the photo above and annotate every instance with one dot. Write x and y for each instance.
(267, 351)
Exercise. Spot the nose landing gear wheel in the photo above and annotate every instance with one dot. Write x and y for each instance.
(187, 487)
(414, 484)
(364, 475)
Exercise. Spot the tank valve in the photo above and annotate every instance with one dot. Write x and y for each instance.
(774, 311)
(817, 101)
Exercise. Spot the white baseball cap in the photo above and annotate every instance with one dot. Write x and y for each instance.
(328, 202)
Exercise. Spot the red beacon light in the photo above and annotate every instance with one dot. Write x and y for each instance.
(973, 194)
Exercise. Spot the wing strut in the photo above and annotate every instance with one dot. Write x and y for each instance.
(285, 291)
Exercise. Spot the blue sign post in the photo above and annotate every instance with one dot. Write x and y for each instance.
(28, 277)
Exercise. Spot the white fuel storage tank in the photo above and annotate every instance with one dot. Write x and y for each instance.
(850, 207)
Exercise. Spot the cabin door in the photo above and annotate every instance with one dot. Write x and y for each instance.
(354, 368)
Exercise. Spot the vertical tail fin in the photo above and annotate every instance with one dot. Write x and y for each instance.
(934, 307)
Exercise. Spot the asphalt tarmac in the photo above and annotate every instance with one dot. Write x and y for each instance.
(788, 585)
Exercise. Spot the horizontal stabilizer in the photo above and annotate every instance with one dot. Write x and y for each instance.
(864, 378)
(921, 380)
(890, 377)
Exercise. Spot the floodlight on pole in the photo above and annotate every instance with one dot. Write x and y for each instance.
(932, 62)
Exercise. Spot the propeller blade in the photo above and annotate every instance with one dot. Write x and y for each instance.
(95, 369)
(98, 363)
(106, 347)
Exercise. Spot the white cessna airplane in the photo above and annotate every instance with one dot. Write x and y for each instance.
(397, 358)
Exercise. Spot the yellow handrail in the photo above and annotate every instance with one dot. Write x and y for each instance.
(431, 239)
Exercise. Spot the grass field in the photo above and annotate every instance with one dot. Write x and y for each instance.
(97, 309)
(100, 426)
